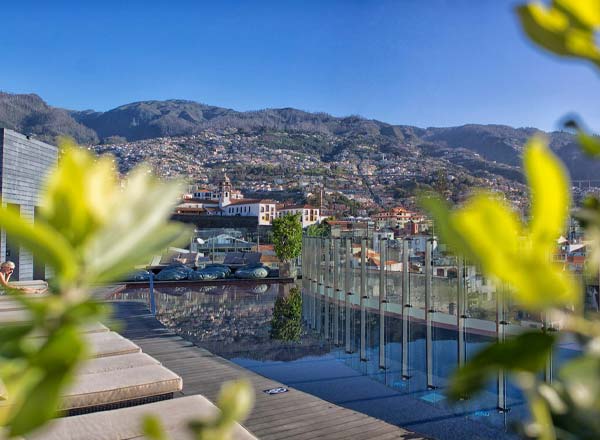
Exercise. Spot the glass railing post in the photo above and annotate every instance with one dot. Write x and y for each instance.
(500, 330)
(406, 305)
(382, 261)
(336, 290)
(382, 300)
(429, 312)
(363, 268)
(348, 292)
(548, 373)
(461, 311)
(309, 262)
(319, 308)
(326, 283)
(363, 297)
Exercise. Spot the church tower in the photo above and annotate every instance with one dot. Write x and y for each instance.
(225, 191)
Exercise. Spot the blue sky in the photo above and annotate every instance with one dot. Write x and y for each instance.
(425, 63)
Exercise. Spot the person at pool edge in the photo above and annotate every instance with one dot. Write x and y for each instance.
(6, 270)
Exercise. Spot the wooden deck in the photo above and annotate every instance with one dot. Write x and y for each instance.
(292, 415)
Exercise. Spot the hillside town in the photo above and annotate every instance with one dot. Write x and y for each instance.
(296, 169)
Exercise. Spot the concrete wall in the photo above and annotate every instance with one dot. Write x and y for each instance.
(23, 165)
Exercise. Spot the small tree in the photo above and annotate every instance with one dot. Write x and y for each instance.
(287, 240)
(286, 324)
(322, 229)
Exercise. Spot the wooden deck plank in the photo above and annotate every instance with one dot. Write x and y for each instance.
(295, 414)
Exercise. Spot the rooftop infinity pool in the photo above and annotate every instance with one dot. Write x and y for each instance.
(260, 328)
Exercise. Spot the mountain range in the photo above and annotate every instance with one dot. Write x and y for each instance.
(499, 145)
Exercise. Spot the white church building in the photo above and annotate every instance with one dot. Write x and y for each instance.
(229, 202)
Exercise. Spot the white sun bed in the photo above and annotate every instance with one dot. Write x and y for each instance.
(110, 389)
(126, 423)
(13, 317)
(116, 388)
(114, 363)
(103, 344)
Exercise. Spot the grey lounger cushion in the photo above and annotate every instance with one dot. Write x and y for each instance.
(111, 387)
(10, 305)
(113, 363)
(8, 317)
(12, 316)
(109, 344)
(126, 423)
(4, 297)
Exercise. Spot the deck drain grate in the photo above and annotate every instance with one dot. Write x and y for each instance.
(277, 390)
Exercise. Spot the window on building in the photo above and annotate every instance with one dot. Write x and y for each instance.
(262, 209)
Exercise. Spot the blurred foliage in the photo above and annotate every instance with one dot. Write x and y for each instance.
(488, 231)
(235, 402)
(519, 256)
(565, 27)
(286, 324)
(89, 229)
(287, 236)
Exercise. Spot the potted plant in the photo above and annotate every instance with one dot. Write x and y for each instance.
(287, 241)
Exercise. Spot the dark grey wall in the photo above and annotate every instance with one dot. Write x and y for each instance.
(23, 165)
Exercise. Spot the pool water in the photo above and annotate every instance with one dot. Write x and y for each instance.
(328, 360)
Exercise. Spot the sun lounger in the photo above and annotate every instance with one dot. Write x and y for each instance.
(8, 317)
(5, 297)
(111, 389)
(119, 388)
(9, 303)
(234, 259)
(103, 344)
(114, 363)
(239, 259)
(32, 284)
(252, 258)
(126, 423)
(14, 316)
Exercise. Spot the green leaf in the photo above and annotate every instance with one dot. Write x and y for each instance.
(10, 339)
(55, 361)
(63, 349)
(42, 240)
(235, 401)
(137, 230)
(153, 429)
(581, 380)
(40, 406)
(549, 186)
(589, 144)
(566, 28)
(488, 232)
(81, 194)
(527, 352)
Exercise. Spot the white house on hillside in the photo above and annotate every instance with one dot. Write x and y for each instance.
(229, 202)
(309, 215)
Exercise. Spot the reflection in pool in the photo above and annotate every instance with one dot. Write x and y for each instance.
(327, 357)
